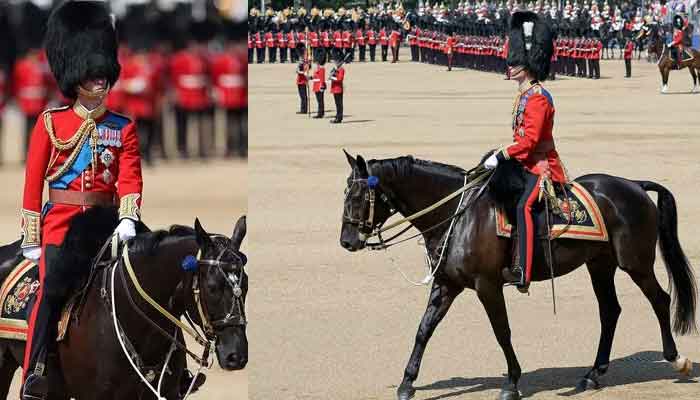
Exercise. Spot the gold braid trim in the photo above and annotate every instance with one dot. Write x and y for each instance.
(31, 224)
(129, 207)
(87, 129)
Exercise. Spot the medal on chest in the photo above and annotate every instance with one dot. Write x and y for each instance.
(108, 136)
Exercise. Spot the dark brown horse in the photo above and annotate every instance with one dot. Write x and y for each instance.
(666, 63)
(475, 256)
(90, 363)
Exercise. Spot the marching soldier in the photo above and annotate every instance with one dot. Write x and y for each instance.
(302, 86)
(449, 49)
(372, 42)
(30, 77)
(395, 42)
(270, 43)
(230, 92)
(529, 58)
(259, 38)
(629, 49)
(337, 78)
(384, 42)
(361, 41)
(88, 155)
(319, 86)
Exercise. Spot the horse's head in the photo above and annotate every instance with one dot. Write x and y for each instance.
(366, 205)
(223, 285)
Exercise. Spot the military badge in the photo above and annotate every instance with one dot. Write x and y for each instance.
(107, 177)
(20, 296)
(107, 158)
(108, 136)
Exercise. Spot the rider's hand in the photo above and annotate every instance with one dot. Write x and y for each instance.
(32, 253)
(126, 229)
(492, 161)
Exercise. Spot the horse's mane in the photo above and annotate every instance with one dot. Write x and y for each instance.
(401, 167)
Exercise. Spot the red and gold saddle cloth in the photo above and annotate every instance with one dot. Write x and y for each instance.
(17, 295)
(585, 221)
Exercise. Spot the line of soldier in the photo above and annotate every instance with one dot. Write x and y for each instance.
(200, 66)
(331, 35)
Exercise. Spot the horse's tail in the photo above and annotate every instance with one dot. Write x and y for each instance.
(677, 265)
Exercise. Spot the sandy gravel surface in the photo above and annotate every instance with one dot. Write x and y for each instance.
(175, 192)
(327, 324)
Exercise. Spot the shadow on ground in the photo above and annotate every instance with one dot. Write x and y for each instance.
(647, 366)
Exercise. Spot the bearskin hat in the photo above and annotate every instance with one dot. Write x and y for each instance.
(81, 43)
(530, 44)
(678, 22)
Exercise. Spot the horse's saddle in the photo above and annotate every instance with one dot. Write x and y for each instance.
(574, 216)
(17, 297)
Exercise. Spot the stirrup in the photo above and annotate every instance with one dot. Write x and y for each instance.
(35, 387)
(515, 277)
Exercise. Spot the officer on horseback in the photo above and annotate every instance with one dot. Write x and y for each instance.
(88, 155)
(680, 26)
(529, 55)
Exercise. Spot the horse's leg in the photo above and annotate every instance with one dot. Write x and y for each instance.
(664, 78)
(491, 296)
(603, 278)
(693, 73)
(640, 268)
(441, 298)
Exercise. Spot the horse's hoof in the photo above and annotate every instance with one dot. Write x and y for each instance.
(405, 392)
(587, 384)
(509, 394)
(683, 366)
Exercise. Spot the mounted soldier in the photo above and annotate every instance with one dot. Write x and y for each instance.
(529, 54)
(88, 155)
(680, 33)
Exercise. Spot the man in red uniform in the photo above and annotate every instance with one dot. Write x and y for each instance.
(680, 25)
(302, 86)
(629, 49)
(337, 44)
(529, 54)
(337, 78)
(189, 73)
(319, 87)
(140, 79)
(384, 42)
(372, 42)
(347, 41)
(230, 92)
(449, 49)
(395, 42)
(595, 58)
(88, 155)
(361, 41)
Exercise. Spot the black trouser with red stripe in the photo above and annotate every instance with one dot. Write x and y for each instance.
(526, 224)
(56, 282)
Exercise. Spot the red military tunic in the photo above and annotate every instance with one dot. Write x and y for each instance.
(302, 78)
(319, 80)
(360, 37)
(533, 120)
(229, 81)
(189, 74)
(139, 81)
(347, 40)
(326, 39)
(31, 85)
(383, 39)
(337, 39)
(337, 81)
(371, 37)
(394, 38)
(629, 49)
(116, 171)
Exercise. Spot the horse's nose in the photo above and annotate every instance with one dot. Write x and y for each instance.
(346, 245)
(235, 361)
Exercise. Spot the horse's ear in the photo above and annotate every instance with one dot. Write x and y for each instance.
(362, 166)
(351, 160)
(203, 239)
(239, 233)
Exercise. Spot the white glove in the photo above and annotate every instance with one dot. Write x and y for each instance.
(126, 230)
(32, 253)
(491, 162)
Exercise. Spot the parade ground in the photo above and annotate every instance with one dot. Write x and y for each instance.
(175, 192)
(329, 324)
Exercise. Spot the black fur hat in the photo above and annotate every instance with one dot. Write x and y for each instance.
(81, 43)
(530, 44)
(678, 22)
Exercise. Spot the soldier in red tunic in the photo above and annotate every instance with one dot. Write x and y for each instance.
(88, 155)
(319, 87)
(680, 26)
(384, 41)
(529, 54)
(629, 49)
(337, 78)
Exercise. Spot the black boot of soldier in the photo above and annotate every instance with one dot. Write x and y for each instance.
(36, 387)
(188, 380)
(516, 274)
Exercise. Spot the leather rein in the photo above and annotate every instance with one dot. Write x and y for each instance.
(473, 178)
